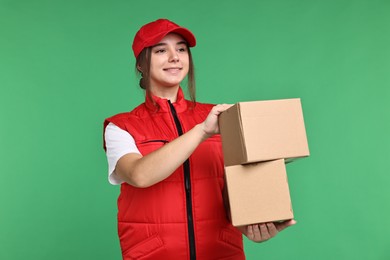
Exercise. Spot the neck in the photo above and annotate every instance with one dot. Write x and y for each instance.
(166, 93)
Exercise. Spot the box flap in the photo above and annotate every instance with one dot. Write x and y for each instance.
(242, 137)
(231, 129)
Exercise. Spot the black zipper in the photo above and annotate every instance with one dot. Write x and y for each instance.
(155, 141)
(187, 185)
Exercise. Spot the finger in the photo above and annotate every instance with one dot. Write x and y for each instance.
(249, 232)
(264, 232)
(256, 233)
(226, 106)
(282, 225)
(221, 107)
(272, 229)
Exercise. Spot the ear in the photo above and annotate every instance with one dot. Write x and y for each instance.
(139, 68)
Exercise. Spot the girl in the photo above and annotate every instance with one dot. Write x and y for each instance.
(167, 156)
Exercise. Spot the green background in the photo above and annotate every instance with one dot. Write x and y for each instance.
(66, 65)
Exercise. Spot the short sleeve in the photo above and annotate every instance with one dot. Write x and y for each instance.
(118, 143)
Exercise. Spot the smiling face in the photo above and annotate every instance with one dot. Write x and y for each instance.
(169, 65)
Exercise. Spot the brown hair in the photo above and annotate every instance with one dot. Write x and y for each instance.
(142, 67)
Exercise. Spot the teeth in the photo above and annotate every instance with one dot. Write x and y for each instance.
(172, 70)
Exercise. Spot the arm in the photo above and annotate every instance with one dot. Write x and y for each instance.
(144, 171)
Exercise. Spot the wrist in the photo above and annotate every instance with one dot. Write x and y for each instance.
(203, 133)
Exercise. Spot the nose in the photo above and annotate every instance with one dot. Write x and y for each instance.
(173, 56)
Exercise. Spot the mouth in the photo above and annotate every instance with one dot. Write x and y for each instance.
(173, 69)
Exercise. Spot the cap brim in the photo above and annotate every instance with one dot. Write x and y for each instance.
(186, 34)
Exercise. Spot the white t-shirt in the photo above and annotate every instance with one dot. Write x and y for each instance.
(118, 143)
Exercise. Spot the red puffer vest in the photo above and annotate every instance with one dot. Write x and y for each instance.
(183, 216)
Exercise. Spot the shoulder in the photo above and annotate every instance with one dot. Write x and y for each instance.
(120, 118)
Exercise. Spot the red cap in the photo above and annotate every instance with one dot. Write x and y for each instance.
(152, 33)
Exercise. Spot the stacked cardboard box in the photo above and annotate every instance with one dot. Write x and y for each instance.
(258, 138)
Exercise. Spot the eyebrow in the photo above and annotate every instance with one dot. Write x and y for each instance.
(162, 44)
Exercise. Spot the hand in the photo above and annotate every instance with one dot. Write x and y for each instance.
(263, 231)
(210, 125)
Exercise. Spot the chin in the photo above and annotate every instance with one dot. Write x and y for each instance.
(173, 83)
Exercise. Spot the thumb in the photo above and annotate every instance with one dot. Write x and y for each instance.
(282, 225)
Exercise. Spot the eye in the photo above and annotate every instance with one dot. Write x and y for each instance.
(159, 51)
(182, 49)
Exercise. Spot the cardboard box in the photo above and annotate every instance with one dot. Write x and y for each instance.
(258, 193)
(263, 130)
